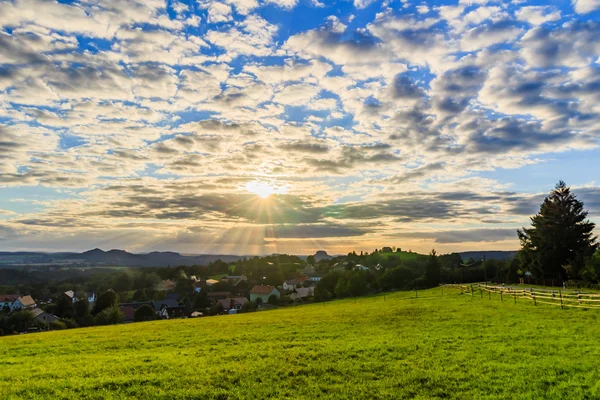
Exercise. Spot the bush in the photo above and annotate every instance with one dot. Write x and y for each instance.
(145, 313)
(109, 316)
(273, 300)
(58, 325)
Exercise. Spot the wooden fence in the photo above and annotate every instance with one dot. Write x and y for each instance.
(540, 296)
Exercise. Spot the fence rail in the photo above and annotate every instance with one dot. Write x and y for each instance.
(542, 296)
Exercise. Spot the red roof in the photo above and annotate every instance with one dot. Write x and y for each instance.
(8, 297)
(262, 289)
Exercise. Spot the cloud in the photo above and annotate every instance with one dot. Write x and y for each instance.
(586, 6)
(538, 15)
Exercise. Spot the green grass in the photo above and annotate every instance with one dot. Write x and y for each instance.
(458, 347)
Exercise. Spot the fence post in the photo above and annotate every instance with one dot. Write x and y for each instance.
(501, 299)
(481, 291)
(515, 297)
(561, 303)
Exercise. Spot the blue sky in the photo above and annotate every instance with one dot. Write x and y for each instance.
(260, 126)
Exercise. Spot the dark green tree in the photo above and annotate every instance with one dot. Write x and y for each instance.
(109, 316)
(432, 270)
(82, 307)
(273, 300)
(560, 237)
(105, 300)
(145, 313)
(64, 307)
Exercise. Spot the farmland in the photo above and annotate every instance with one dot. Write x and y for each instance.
(455, 346)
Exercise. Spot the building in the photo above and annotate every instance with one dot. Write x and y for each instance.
(167, 308)
(263, 292)
(239, 284)
(165, 286)
(128, 309)
(7, 301)
(214, 296)
(25, 302)
(234, 303)
(290, 284)
(43, 317)
(14, 302)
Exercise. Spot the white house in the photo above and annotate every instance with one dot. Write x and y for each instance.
(290, 284)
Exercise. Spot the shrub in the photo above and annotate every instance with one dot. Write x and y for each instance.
(273, 300)
(145, 313)
(109, 316)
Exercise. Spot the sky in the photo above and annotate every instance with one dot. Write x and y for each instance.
(290, 126)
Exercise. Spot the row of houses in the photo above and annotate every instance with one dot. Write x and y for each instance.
(15, 302)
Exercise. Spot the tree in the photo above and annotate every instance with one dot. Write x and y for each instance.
(64, 307)
(560, 237)
(109, 316)
(273, 300)
(310, 260)
(144, 313)
(82, 307)
(105, 300)
(432, 270)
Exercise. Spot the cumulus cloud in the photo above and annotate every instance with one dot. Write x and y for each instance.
(151, 117)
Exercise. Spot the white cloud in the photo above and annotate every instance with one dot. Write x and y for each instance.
(586, 6)
(537, 15)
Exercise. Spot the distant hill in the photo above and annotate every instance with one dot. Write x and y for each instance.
(322, 255)
(489, 255)
(115, 257)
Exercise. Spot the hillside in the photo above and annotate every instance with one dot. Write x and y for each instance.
(111, 257)
(454, 346)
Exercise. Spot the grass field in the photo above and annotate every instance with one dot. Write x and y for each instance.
(456, 346)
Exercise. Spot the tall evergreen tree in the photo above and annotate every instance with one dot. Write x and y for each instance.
(432, 270)
(560, 237)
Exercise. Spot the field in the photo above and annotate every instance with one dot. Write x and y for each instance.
(455, 346)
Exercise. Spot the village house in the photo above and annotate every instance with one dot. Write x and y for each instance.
(43, 317)
(290, 284)
(91, 297)
(239, 284)
(25, 302)
(167, 308)
(234, 303)
(128, 309)
(214, 296)
(165, 286)
(14, 302)
(71, 295)
(263, 292)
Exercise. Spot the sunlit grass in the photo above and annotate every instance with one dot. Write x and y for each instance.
(456, 346)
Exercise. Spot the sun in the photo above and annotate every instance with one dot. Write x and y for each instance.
(263, 189)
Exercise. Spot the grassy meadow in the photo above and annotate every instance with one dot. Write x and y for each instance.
(455, 346)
